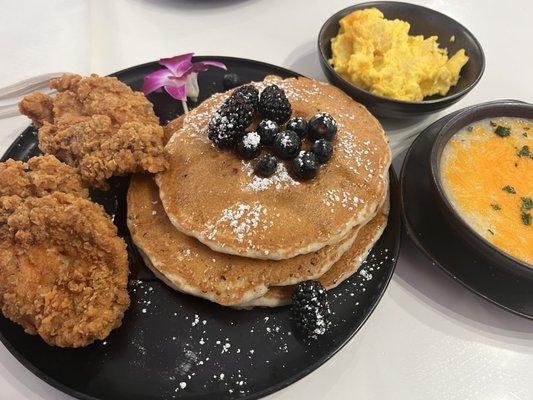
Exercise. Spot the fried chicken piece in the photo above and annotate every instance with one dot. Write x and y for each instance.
(39, 177)
(63, 269)
(38, 106)
(102, 150)
(99, 125)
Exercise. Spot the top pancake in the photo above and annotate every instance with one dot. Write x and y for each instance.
(214, 196)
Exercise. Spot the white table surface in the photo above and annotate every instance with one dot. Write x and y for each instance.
(429, 337)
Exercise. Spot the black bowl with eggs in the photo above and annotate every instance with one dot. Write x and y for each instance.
(424, 21)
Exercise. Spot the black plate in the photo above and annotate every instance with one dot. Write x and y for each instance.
(432, 232)
(173, 345)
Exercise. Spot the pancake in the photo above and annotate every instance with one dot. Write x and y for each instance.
(347, 265)
(216, 197)
(191, 267)
(172, 127)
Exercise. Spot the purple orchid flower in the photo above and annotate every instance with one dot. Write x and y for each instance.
(179, 77)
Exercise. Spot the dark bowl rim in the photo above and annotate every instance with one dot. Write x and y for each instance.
(440, 142)
(443, 99)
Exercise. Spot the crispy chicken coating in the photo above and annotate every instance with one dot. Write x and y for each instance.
(39, 177)
(63, 269)
(99, 125)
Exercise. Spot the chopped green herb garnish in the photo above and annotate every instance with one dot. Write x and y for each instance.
(502, 131)
(495, 207)
(524, 152)
(492, 233)
(527, 203)
(526, 218)
(526, 128)
(524, 134)
(470, 128)
(492, 123)
(509, 189)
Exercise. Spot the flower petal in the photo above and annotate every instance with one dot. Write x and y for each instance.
(179, 64)
(155, 80)
(203, 65)
(191, 86)
(177, 92)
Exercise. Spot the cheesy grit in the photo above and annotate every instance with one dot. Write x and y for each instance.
(487, 171)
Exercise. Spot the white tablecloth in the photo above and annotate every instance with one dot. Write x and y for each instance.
(429, 337)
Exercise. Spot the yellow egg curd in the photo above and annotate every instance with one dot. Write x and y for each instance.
(487, 173)
(380, 56)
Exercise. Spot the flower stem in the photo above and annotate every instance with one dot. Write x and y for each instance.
(184, 105)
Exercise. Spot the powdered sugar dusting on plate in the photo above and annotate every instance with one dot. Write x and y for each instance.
(210, 356)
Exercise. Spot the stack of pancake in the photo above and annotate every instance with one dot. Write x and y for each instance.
(210, 227)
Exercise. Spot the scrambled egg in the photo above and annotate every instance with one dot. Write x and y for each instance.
(380, 56)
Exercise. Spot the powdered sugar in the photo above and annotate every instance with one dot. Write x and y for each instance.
(286, 141)
(242, 218)
(279, 180)
(251, 140)
(340, 197)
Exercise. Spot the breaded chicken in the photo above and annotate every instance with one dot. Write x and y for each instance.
(39, 177)
(99, 125)
(63, 269)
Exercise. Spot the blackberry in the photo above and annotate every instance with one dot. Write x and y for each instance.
(323, 150)
(222, 131)
(322, 126)
(266, 165)
(310, 309)
(286, 145)
(249, 93)
(305, 165)
(248, 146)
(298, 125)
(274, 105)
(230, 81)
(229, 122)
(239, 110)
(268, 130)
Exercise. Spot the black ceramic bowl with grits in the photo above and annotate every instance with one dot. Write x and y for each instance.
(494, 109)
(424, 21)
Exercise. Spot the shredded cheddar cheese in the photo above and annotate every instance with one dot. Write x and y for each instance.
(487, 173)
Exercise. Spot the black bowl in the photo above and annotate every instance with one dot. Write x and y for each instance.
(424, 21)
(495, 109)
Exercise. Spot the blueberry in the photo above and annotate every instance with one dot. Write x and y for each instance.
(306, 165)
(248, 146)
(323, 150)
(266, 165)
(322, 126)
(230, 81)
(268, 130)
(286, 145)
(298, 125)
